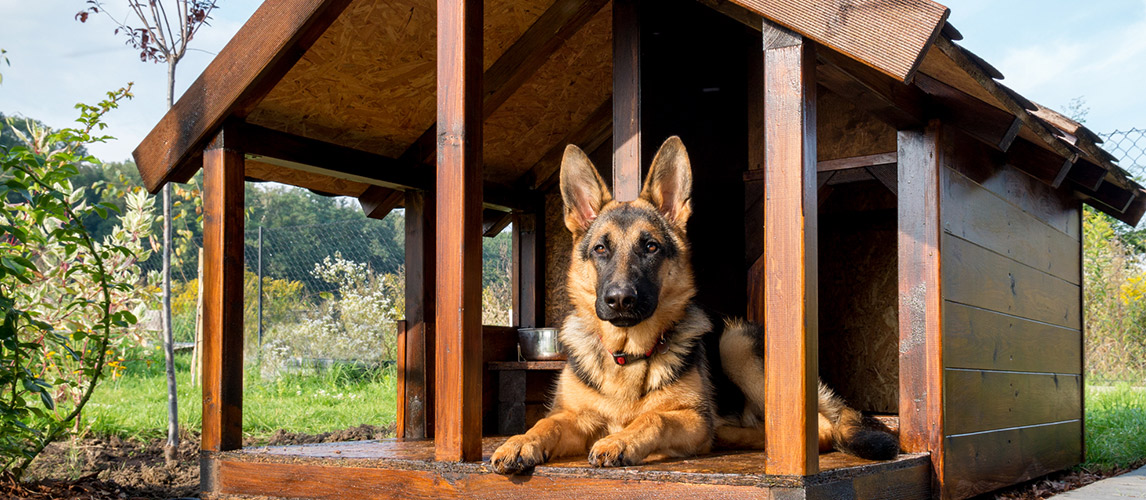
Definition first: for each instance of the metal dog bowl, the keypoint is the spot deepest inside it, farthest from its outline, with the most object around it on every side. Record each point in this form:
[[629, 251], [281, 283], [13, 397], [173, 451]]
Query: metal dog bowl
[[538, 344]]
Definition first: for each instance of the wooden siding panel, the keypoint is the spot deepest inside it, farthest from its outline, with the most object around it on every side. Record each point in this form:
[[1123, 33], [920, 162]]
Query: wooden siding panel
[[979, 400], [981, 462], [989, 340], [973, 213], [976, 276]]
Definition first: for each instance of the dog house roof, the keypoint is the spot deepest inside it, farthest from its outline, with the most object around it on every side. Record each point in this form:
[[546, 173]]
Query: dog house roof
[[348, 86]]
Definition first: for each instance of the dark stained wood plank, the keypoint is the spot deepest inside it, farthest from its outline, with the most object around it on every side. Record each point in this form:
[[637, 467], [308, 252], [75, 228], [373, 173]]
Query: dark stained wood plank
[[421, 280], [857, 162], [402, 367], [978, 400], [920, 330], [377, 203], [886, 175], [978, 463], [458, 398], [223, 202], [891, 37], [499, 343], [256, 58], [989, 124], [256, 171], [978, 277], [790, 269], [520, 61], [529, 264], [975, 214], [1039, 162], [494, 221], [989, 340], [902, 106], [626, 99]]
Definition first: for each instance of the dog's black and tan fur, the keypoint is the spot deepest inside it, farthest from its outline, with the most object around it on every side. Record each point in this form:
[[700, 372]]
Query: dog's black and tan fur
[[637, 384]]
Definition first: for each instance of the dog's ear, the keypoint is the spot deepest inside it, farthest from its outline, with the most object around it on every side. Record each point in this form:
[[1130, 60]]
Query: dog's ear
[[669, 183], [582, 189]]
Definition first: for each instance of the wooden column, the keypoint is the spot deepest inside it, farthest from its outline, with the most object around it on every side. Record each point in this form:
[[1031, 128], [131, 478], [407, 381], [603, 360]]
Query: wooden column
[[626, 99], [418, 362], [222, 297], [528, 271], [457, 433], [920, 302], [790, 268]]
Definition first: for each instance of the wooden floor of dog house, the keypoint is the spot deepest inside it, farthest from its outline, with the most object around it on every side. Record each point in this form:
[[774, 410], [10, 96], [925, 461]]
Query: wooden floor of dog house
[[405, 469]]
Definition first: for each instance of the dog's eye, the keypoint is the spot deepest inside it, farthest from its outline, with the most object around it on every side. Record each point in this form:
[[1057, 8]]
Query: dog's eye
[[599, 249], [652, 247]]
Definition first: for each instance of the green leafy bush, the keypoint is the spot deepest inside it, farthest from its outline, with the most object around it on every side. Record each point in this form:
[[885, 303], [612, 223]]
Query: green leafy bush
[[66, 300]]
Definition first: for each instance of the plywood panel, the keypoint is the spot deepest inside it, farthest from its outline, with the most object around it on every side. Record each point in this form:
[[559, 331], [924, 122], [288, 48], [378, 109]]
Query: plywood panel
[[555, 100], [976, 276], [979, 400], [979, 338], [368, 82], [982, 462], [843, 131], [977, 215]]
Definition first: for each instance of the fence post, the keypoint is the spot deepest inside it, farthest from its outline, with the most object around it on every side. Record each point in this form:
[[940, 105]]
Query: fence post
[[260, 300]]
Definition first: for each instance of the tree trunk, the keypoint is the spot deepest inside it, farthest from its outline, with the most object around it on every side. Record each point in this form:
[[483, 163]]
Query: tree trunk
[[171, 448]]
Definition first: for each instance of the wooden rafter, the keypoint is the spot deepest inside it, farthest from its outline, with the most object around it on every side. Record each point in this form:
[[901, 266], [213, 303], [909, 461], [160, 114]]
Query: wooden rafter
[[243, 73], [627, 99]]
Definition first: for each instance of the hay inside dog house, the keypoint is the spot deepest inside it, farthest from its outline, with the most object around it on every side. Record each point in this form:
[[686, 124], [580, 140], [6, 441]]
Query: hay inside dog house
[[902, 223]]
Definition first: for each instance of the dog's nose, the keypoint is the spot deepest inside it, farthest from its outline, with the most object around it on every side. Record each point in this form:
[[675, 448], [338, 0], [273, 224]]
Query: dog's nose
[[621, 298]]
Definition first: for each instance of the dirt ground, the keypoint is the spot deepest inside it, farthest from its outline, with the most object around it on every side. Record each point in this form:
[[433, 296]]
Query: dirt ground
[[98, 468], [105, 468]]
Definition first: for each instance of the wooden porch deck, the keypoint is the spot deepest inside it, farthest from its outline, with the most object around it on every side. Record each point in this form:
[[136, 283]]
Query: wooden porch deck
[[405, 469]]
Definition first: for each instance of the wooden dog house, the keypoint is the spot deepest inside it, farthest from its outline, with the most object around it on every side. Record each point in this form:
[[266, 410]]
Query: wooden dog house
[[909, 227]]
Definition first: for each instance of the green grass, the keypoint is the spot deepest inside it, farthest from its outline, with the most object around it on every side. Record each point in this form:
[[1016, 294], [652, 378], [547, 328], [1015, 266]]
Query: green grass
[[1115, 426], [135, 404]]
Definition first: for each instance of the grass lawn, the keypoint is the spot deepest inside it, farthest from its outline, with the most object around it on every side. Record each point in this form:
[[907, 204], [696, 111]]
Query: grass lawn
[[1115, 426], [135, 404]]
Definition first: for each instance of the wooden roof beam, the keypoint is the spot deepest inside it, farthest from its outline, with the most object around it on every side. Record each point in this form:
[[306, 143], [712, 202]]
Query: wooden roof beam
[[902, 106], [991, 125], [243, 73]]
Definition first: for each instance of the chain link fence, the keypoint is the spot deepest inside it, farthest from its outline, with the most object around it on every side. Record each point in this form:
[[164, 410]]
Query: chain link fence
[[1130, 148]]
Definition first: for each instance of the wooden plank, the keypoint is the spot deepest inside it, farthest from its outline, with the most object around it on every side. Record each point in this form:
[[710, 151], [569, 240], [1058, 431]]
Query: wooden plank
[[975, 214], [256, 58], [402, 367], [1038, 162], [901, 106], [520, 61], [980, 400], [1056, 208], [995, 127], [989, 340], [499, 343], [494, 221], [857, 162], [256, 171], [790, 291], [891, 37], [376, 204], [626, 99], [529, 262], [981, 462], [920, 319], [457, 433], [978, 277], [526, 365], [223, 199], [421, 280]]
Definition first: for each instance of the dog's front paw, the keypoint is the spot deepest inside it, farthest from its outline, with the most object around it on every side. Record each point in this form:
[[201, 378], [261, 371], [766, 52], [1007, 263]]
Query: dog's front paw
[[518, 454], [612, 452]]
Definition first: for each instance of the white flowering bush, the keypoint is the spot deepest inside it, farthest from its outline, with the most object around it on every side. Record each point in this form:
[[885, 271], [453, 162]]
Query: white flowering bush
[[357, 322]]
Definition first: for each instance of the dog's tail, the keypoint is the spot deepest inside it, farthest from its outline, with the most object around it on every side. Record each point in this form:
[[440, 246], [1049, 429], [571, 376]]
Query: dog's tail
[[849, 432]]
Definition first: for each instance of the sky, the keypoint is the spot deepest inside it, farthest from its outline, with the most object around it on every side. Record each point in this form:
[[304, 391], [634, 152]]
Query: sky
[[1049, 51]]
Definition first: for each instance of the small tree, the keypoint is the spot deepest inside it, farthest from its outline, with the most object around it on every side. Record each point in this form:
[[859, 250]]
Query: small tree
[[159, 40]]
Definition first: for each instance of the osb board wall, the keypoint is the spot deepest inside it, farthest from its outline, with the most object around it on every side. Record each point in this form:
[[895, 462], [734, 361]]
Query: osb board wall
[[859, 325], [553, 102], [558, 245], [842, 131], [369, 80]]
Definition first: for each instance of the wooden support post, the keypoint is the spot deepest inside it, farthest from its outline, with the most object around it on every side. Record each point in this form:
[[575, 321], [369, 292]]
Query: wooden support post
[[420, 284], [400, 422], [920, 351], [529, 271], [790, 246], [222, 297], [457, 434], [626, 99]]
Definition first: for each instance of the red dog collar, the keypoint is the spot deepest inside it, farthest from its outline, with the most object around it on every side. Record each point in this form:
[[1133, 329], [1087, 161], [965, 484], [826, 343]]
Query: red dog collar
[[622, 358]]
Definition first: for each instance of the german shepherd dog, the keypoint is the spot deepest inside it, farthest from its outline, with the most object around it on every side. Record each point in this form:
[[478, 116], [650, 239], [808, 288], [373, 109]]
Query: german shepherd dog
[[637, 384]]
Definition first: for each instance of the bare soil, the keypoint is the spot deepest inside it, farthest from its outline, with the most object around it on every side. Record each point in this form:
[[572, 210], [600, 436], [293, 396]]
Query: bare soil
[[105, 468]]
